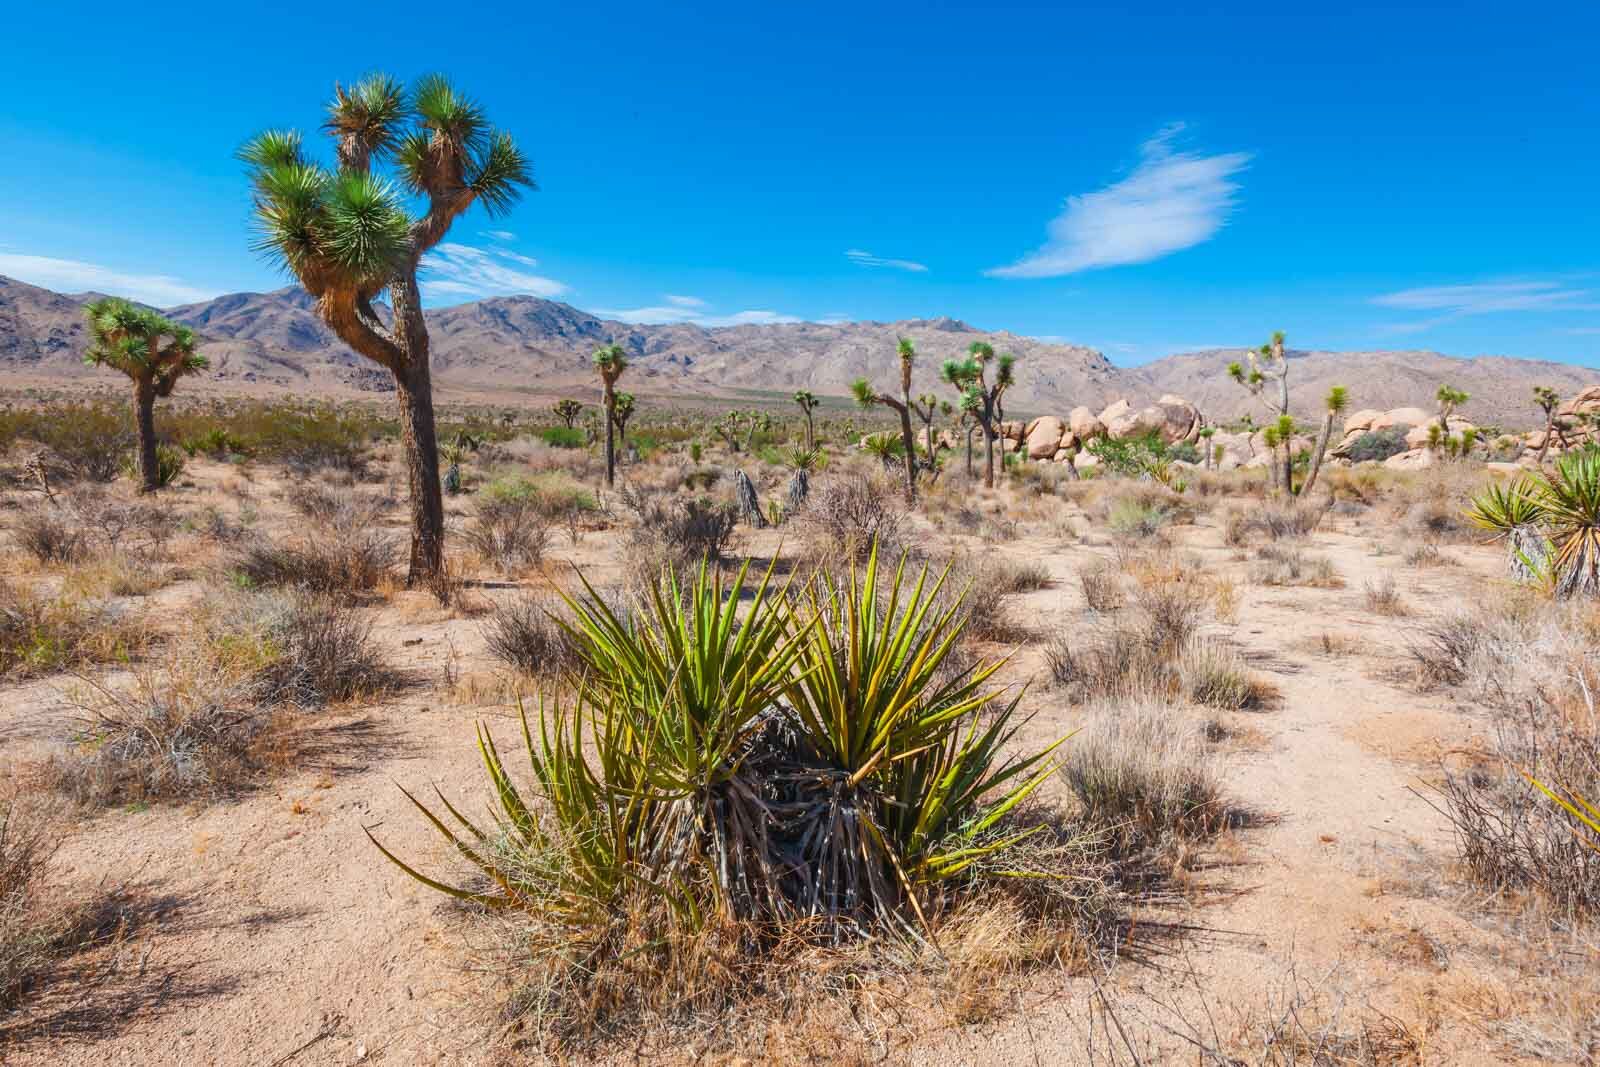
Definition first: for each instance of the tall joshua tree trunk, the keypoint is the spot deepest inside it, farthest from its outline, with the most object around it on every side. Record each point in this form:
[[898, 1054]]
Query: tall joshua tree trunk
[[144, 399], [970, 428], [418, 437], [1317, 454], [910, 441], [611, 435]]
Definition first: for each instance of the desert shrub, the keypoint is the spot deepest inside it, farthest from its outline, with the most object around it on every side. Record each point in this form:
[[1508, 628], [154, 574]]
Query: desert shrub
[[1275, 520], [1129, 517], [1378, 445], [190, 734], [1102, 586], [1275, 565], [1446, 650], [510, 532], [847, 514], [1383, 598], [523, 633], [1141, 771], [1130, 457], [49, 535], [299, 649], [354, 563], [44, 635], [715, 774], [88, 441], [1212, 674], [563, 437], [1134, 654], [1439, 519], [977, 587], [1427, 554], [1009, 576], [27, 846]]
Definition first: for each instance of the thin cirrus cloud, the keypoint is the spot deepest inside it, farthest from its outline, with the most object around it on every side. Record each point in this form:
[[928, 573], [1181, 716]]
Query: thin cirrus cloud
[[1171, 201], [862, 258], [694, 311], [466, 271], [1453, 302], [75, 276]]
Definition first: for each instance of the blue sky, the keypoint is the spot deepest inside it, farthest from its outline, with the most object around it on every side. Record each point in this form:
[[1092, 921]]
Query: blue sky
[[1391, 176]]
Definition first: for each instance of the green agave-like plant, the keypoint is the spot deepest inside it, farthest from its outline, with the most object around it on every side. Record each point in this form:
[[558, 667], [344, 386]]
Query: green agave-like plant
[[1569, 499], [768, 754]]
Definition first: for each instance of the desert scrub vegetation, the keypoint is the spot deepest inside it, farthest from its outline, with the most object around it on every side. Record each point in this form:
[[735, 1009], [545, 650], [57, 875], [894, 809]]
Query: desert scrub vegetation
[[295, 648], [508, 532], [1550, 523], [1530, 666], [847, 515], [345, 551], [1272, 520], [28, 926], [524, 633], [1141, 770], [745, 772], [1280, 565], [41, 635]]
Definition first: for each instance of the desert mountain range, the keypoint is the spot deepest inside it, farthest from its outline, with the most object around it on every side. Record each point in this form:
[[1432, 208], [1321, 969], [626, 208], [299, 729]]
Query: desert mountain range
[[526, 344]]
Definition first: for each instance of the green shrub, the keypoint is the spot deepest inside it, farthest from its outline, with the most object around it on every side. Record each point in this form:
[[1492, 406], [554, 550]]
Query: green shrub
[[563, 437], [1378, 445]]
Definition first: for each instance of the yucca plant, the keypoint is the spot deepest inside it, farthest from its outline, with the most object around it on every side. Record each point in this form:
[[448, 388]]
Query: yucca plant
[[1569, 500], [766, 754], [1511, 512]]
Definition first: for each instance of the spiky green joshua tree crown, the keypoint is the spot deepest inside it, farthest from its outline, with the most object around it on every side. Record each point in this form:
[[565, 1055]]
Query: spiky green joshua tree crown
[[347, 234], [153, 351]]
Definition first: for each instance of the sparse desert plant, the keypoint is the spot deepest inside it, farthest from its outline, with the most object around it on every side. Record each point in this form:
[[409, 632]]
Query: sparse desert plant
[[902, 405], [346, 236], [28, 845], [1212, 674], [1141, 770], [192, 734], [299, 649], [1134, 518], [1276, 565], [510, 533], [41, 635], [1378, 445], [849, 513], [723, 752], [154, 353], [1383, 598], [347, 563], [49, 535], [1102, 586], [523, 632]]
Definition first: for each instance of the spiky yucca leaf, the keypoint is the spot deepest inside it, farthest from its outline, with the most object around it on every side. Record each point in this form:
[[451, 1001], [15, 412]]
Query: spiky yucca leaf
[[1501, 508], [1569, 498]]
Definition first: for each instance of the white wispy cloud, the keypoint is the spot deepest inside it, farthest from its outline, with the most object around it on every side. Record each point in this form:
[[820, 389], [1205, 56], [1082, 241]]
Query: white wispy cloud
[[1171, 201], [691, 309], [464, 270], [498, 235], [1484, 298], [75, 276], [867, 259]]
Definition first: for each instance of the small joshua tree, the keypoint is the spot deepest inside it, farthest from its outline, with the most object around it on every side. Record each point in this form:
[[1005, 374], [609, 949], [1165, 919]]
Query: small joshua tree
[[1206, 433], [1338, 399], [1546, 398], [808, 404], [1449, 399], [568, 412], [901, 405], [347, 236], [1268, 364], [925, 407], [610, 361], [154, 353], [455, 453], [981, 397], [755, 422], [621, 412]]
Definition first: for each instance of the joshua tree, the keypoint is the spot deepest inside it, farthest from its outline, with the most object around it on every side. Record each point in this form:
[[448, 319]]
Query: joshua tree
[[1449, 399], [755, 422], [808, 404], [801, 462], [153, 352], [621, 412], [1338, 400], [347, 235], [1206, 433], [969, 405], [980, 397], [610, 361], [1268, 364], [1547, 399], [727, 428], [925, 407], [568, 411], [901, 406], [454, 453]]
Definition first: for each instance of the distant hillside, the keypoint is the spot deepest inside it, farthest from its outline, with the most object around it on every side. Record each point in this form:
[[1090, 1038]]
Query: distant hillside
[[543, 346]]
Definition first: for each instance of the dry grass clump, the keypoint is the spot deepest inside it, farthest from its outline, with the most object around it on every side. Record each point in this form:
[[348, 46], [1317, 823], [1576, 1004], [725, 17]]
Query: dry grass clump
[[509, 532], [1102, 586], [190, 733], [1440, 519], [49, 536], [679, 534], [1141, 770], [1383, 598], [114, 575], [1274, 520], [1538, 677], [27, 928], [847, 514], [1427, 554], [42, 635], [298, 649], [1213, 674], [1286, 566], [523, 633], [347, 551]]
